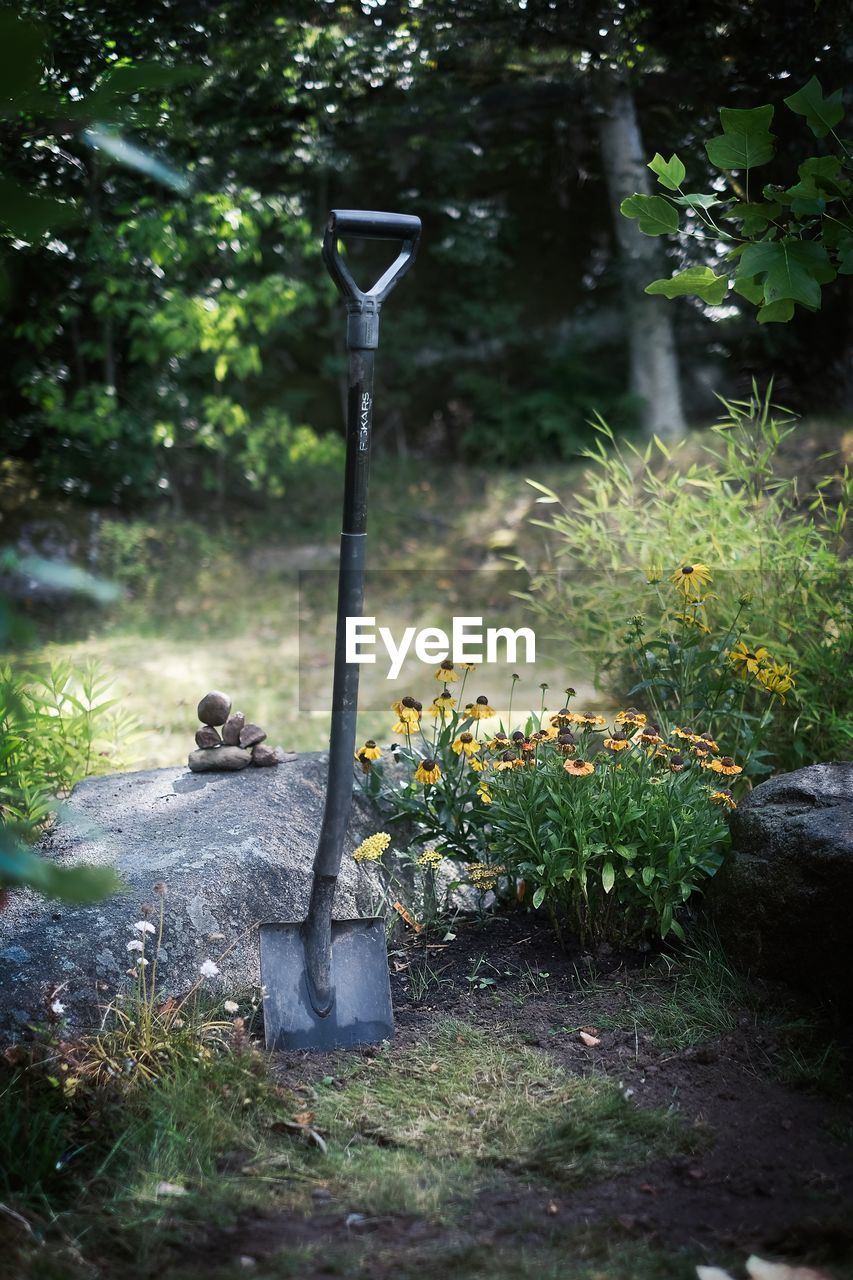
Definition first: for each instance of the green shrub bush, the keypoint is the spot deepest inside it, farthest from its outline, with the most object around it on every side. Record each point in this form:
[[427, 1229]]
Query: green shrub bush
[[777, 557]]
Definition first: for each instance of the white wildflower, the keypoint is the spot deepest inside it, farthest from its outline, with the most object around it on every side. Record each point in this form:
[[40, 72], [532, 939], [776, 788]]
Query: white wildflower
[[144, 926], [135, 945], [208, 969], [57, 1007], [231, 1006]]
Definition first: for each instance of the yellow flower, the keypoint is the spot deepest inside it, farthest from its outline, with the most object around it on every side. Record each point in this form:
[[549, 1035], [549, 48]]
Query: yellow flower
[[466, 742], [705, 740], [617, 743], [441, 704], [484, 793], [427, 772], [446, 672], [693, 620], [499, 742], [778, 678], [408, 710], [477, 765], [480, 710], [406, 726], [631, 716], [649, 736], [676, 764], [725, 798], [579, 768], [587, 720], [369, 751], [685, 735], [747, 661], [430, 858], [690, 578], [725, 764], [563, 719], [654, 574], [482, 876], [467, 666], [372, 849]]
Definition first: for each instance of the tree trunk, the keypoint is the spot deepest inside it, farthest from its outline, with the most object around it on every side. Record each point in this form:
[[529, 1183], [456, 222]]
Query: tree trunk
[[651, 341]]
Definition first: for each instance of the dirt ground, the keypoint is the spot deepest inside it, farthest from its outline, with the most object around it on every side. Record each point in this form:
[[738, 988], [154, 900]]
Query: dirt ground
[[773, 1174]]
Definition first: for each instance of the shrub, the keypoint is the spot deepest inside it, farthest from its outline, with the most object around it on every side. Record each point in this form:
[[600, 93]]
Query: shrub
[[737, 512], [613, 837]]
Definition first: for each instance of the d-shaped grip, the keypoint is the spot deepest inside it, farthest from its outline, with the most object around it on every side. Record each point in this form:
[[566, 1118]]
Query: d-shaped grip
[[367, 224], [370, 225]]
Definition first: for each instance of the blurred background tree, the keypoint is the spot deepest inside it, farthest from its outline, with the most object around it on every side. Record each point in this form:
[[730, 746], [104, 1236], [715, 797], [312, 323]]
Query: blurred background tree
[[175, 339]]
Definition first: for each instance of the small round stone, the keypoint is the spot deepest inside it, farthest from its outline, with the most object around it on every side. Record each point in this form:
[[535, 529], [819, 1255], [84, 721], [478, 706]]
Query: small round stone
[[207, 736], [263, 757], [231, 728], [251, 734], [214, 707]]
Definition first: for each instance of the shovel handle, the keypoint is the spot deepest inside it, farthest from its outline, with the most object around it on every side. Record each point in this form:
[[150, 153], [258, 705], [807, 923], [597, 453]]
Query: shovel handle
[[369, 224]]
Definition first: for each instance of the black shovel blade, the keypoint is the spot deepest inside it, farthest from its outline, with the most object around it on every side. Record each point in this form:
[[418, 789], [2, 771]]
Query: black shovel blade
[[361, 1010]]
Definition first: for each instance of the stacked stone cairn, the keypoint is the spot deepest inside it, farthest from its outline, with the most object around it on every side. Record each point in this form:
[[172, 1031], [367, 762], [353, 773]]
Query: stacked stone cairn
[[226, 741]]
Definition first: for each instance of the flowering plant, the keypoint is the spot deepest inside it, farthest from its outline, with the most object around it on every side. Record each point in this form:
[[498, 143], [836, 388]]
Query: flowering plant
[[612, 827]]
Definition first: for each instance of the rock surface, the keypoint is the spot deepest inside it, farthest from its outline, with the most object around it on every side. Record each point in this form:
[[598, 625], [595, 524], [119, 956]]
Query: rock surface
[[782, 902], [232, 849], [220, 759]]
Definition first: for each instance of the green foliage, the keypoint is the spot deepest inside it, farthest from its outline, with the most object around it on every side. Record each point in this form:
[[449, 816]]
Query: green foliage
[[614, 852], [447, 812], [643, 513], [791, 242], [55, 729]]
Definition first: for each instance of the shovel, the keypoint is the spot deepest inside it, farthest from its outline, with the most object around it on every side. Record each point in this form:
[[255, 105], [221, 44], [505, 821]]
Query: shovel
[[325, 983]]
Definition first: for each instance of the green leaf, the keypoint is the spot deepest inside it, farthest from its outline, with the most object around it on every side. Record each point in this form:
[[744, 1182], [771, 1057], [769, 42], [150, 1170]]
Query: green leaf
[[754, 217], [648, 875], [746, 140], [792, 269], [21, 55], [539, 897], [29, 217], [845, 257], [670, 172], [782, 310], [608, 877], [822, 114], [693, 200], [700, 281], [656, 215], [749, 287], [19, 866]]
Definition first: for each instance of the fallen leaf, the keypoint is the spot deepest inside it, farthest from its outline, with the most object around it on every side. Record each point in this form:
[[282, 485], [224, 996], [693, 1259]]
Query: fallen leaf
[[303, 1117], [588, 1040]]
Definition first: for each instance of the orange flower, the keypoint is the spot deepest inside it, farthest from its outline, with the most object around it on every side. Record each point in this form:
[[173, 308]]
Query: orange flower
[[579, 768]]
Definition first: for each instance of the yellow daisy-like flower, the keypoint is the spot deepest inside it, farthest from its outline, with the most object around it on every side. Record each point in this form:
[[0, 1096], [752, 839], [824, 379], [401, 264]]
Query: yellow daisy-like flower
[[631, 716], [690, 578], [484, 794], [477, 765], [508, 760], [676, 764], [369, 751], [467, 666], [685, 735], [587, 720], [430, 858], [466, 742], [441, 704], [725, 764], [700, 751], [408, 709], [693, 620], [705, 740], [480, 710], [579, 768], [427, 772], [372, 849], [406, 726], [746, 661], [446, 672], [725, 798], [777, 679], [499, 742], [654, 574], [563, 719], [617, 743], [650, 737]]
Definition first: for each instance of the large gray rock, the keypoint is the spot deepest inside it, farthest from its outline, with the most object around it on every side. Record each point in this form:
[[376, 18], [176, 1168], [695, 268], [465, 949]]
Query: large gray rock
[[782, 902], [233, 849]]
